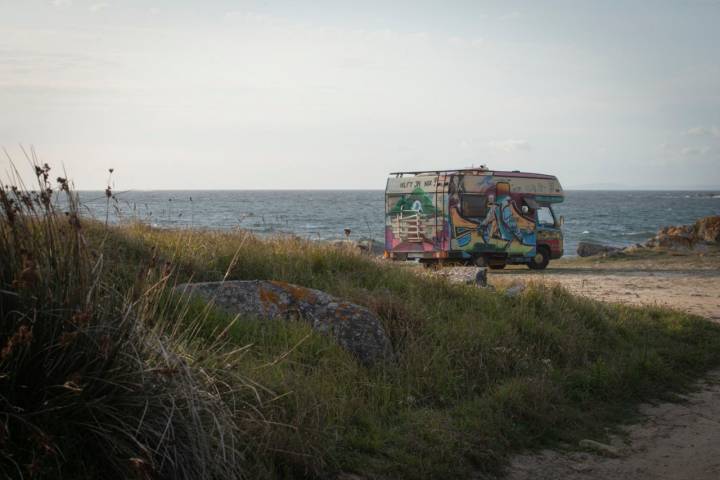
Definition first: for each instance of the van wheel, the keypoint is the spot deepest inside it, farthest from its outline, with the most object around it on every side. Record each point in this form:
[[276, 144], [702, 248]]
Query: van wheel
[[497, 266], [540, 260]]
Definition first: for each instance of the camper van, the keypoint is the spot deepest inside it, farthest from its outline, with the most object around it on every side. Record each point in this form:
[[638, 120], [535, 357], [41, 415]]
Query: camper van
[[489, 218]]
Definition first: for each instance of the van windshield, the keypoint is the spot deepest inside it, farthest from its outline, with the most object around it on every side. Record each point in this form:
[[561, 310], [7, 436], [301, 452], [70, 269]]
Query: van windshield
[[546, 217]]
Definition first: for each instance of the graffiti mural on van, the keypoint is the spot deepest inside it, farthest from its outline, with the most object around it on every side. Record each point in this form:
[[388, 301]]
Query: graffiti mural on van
[[490, 218]]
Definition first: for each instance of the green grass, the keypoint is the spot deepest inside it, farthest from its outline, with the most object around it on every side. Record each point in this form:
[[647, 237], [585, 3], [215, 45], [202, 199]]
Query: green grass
[[477, 375]]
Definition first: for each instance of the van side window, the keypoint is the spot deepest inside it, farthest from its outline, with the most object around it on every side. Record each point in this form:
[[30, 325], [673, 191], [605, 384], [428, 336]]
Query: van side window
[[473, 205]]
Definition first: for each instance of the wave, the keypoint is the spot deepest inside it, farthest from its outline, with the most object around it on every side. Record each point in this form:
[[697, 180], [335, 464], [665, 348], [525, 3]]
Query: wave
[[645, 234]]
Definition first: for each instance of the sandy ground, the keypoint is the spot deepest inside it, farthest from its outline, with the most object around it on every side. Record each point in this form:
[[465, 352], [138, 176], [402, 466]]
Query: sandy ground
[[679, 441], [689, 283], [692, 290], [675, 440]]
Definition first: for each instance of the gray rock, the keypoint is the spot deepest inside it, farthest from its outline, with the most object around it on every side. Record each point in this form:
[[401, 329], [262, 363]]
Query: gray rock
[[367, 246], [481, 277], [515, 289], [352, 326], [349, 476], [601, 448], [371, 246], [349, 244], [588, 249]]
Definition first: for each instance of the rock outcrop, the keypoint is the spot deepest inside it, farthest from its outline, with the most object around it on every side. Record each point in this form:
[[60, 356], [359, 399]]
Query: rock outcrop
[[588, 249], [673, 237], [705, 231], [352, 326], [708, 229]]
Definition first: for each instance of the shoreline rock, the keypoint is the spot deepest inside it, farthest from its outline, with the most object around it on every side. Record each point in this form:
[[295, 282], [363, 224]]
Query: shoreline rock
[[708, 229], [695, 238], [590, 249], [704, 232]]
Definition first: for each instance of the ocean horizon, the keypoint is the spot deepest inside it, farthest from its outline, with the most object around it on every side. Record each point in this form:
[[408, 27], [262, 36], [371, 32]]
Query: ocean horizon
[[614, 217]]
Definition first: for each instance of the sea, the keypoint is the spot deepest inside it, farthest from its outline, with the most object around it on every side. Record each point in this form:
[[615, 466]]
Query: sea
[[620, 218]]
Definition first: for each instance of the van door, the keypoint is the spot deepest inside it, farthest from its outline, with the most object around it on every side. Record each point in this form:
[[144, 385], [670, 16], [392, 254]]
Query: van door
[[549, 233]]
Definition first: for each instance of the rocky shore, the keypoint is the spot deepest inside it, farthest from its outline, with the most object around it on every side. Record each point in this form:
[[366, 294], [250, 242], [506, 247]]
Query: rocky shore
[[696, 238]]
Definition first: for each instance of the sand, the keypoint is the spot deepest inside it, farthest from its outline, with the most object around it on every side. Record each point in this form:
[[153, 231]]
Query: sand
[[690, 285]]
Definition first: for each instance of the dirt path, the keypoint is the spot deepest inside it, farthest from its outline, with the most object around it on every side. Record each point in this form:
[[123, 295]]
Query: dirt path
[[678, 441]]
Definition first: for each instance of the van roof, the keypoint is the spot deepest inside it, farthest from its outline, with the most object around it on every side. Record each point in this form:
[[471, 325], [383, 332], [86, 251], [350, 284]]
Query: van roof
[[477, 171]]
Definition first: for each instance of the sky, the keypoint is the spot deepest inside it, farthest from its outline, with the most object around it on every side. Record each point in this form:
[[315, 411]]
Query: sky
[[178, 94]]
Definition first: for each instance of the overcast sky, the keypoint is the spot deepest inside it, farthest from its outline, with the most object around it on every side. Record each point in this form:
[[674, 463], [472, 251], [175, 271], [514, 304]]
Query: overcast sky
[[336, 94]]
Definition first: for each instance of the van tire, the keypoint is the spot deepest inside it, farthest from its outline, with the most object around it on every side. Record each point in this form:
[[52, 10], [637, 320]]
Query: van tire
[[541, 259]]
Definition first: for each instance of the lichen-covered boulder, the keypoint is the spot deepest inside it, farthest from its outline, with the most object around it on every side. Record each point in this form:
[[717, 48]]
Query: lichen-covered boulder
[[352, 326]]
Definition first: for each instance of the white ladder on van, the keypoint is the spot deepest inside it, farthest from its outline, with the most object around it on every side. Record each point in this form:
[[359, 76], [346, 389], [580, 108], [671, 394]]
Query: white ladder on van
[[410, 226]]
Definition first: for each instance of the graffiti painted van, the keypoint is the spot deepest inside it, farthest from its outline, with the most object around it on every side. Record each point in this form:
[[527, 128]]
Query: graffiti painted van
[[487, 217]]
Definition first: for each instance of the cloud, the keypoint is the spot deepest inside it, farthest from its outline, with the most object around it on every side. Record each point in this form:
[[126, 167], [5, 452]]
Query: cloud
[[687, 151], [457, 41], [62, 3], [510, 15], [694, 151], [244, 18], [96, 7], [509, 145], [712, 130]]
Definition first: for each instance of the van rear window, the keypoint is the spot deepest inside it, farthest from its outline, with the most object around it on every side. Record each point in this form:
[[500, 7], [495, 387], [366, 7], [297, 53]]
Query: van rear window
[[474, 205]]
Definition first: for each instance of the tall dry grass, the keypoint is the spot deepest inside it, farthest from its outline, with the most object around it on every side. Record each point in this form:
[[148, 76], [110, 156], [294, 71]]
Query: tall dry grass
[[95, 379]]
